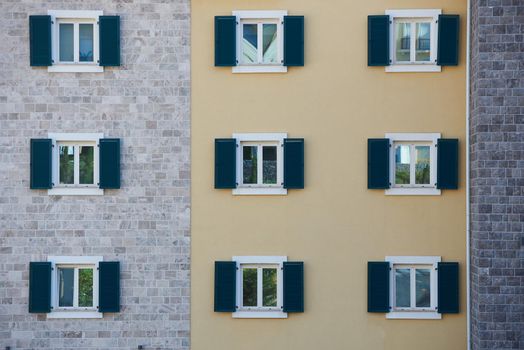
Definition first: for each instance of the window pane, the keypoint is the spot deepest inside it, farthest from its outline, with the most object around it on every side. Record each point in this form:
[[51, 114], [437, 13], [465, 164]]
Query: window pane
[[249, 287], [87, 161], [67, 164], [85, 287], [249, 164], [269, 44], [66, 284], [423, 293], [85, 33], [269, 282], [423, 42], [403, 44], [66, 38], [422, 165], [402, 161], [402, 288], [269, 164], [249, 43]]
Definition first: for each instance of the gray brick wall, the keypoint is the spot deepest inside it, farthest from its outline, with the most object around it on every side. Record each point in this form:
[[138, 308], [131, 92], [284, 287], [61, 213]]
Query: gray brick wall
[[144, 225], [497, 174]]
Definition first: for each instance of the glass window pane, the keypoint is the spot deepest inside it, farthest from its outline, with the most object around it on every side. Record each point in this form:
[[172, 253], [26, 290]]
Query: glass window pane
[[87, 161], [85, 287], [249, 43], [402, 287], [422, 166], [249, 163], [85, 34], [269, 164], [249, 287], [66, 38], [423, 290], [402, 162], [269, 43], [423, 42], [403, 43], [269, 283], [67, 164], [66, 285]]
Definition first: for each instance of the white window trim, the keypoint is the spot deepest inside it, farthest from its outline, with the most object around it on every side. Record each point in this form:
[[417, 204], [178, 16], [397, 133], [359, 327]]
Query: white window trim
[[73, 260], [431, 66], [413, 191], [270, 260], [88, 190], [254, 189], [415, 260], [260, 15], [76, 16]]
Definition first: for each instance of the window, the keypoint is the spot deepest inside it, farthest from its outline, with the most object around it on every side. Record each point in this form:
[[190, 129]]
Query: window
[[413, 284], [413, 40], [259, 287], [413, 163]]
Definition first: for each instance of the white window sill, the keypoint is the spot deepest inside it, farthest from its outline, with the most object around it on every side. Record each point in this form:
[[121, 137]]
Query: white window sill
[[74, 314], [259, 69], [261, 191], [75, 68], [412, 191], [74, 191], [405, 68], [259, 314], [413, 315]]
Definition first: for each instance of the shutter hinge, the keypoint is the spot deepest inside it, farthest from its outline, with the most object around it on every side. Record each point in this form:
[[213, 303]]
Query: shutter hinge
[[390, 22], [52, 183], [52, 61], [98, 184], [236, 306], [237, 23], [52, 22], [97, 307], [97, 61], [97, 22], [236, 61], [282, 61], [98, 268]]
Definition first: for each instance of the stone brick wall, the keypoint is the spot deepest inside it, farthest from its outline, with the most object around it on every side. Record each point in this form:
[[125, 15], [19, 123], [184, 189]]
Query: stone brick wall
[[145, 224], [497, 174]]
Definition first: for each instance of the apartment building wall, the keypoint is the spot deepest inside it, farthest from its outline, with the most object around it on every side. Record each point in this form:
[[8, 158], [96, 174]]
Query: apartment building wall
[[335, 225], [145, 224]]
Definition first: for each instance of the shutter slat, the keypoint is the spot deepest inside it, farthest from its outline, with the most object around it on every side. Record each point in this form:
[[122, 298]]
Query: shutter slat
[[294, 163], [448, 287], [109, 163], [40, 41], [225, 286], [225, 163], [293, 286], [109, 286], [378, 163], [39, 287], [109, 40], [447, 164], [293, 41], [448, 40], [41, 164], [378, 40], [378, 286], [225, 41]]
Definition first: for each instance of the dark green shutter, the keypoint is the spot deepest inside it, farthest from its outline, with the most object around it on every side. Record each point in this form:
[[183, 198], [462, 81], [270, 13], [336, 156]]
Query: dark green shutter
[[225, 286], [447, 164], [293, 40], [378, 40], [109, 286], [225, 41], [448, 40], [293, 287], [109, 163], [378, 286], [225, 163], [39, 287], [109, 39], [294, 163], [448, 287], [378, 163], [40, 41], [40, 166]]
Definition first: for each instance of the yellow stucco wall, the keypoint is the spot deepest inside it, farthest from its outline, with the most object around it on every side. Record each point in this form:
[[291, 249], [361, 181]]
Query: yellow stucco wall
[[335, 225]]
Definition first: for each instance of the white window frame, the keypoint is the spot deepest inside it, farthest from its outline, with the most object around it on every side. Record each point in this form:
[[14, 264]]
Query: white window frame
[[276, 17], [78, 262], [430, 313], [91, 139], [260, 139], [262, 312], [414, 16], [413, 190], [76, 18]]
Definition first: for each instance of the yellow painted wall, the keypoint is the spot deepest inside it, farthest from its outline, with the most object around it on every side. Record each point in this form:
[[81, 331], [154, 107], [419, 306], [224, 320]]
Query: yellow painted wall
[[335, 225]]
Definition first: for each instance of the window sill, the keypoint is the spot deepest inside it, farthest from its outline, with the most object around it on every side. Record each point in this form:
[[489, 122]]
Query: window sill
[[254, 191], [75, 68], [74, 314], [259, 314], [259, 69], [405, 68], [413, 315], [412, 191], [73, 191]]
